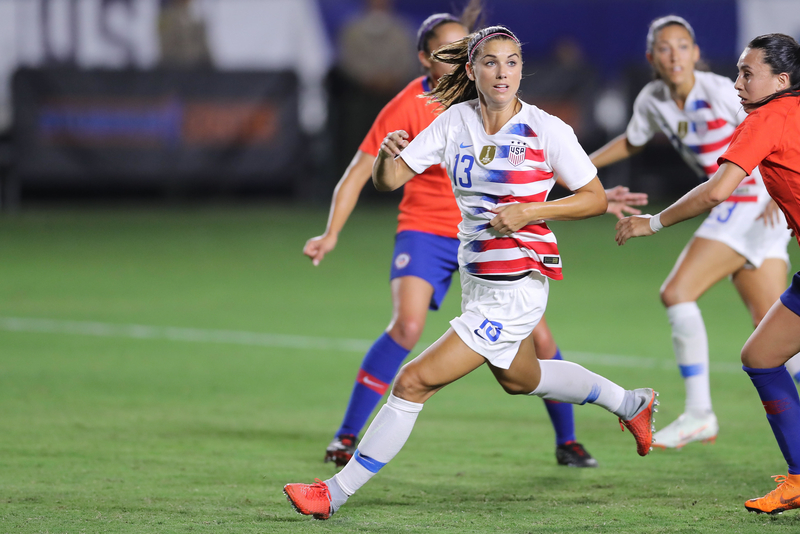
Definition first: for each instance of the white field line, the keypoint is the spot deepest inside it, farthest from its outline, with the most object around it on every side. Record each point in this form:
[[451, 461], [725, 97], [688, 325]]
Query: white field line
[[238, 337]]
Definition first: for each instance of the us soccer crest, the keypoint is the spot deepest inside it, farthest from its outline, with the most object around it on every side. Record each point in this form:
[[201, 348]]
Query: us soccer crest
[[683, 129], [516, 153], [487, 154]]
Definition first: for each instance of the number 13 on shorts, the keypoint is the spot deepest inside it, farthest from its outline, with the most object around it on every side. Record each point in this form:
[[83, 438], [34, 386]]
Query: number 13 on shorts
[[489, 330]]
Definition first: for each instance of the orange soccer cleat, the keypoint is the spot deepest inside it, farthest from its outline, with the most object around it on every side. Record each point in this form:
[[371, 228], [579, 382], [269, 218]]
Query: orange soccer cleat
[[641, 424], [785, 497], [310, 499]]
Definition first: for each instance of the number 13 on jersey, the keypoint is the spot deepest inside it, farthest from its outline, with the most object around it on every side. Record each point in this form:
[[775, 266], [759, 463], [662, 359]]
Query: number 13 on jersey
[[465, 180]]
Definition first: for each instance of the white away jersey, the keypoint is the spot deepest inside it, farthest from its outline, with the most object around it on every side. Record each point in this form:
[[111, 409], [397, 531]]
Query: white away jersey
[[517, 164], [701, 132]]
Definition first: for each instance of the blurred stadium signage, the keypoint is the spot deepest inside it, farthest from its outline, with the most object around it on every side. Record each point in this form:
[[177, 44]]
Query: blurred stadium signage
[[156, 126]]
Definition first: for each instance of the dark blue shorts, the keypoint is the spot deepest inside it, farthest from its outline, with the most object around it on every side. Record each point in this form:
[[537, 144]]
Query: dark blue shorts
[[431, 257], [791, 297]]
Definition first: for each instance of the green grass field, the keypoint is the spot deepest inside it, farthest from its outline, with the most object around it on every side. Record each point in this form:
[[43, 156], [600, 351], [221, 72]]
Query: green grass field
[[243, 358]]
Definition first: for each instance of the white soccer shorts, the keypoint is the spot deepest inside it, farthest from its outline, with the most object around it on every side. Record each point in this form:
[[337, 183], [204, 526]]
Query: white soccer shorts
[[737, 225], [496, 315]]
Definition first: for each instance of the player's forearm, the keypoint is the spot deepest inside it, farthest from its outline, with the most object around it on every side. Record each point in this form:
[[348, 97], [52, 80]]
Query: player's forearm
[[705, 196], [347, 191], [614, 151], [588, 201], [385, 173]]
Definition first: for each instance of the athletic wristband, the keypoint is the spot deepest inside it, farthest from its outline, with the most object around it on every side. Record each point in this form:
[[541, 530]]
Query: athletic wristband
[[655, 223]]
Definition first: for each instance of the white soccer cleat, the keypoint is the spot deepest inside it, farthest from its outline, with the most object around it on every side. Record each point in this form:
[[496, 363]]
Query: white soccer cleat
[[686, 429]]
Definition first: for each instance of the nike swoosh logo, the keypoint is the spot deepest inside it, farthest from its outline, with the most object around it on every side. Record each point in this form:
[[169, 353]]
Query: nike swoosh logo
[[477, 333], [462, 145], [369, 382], [787, 501], [683, 436]]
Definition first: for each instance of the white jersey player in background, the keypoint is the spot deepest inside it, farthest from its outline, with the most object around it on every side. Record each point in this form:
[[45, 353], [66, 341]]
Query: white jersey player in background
[[501, 156], [744, 238]]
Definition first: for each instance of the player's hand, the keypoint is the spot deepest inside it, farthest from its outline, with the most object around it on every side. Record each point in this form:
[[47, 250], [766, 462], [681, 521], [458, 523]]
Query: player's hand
[[620, 209], [511, 218], [771, 214], [620, 200], [317, 247], [636, 226], [394, 143]]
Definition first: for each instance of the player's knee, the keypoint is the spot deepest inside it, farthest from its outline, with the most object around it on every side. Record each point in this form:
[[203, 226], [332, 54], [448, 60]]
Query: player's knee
[[406, 331], [513, 387], [671, 294], [749, 356], [409, 384]]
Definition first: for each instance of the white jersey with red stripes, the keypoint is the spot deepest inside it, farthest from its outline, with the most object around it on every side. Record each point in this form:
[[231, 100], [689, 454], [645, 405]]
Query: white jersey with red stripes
[[701, 131], [517, 164]]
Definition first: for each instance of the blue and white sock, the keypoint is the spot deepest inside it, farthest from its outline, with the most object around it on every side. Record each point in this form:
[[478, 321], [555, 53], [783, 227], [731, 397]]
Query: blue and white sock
[[690, 343], [378, 369], [385, 437], [782, 404], [569, 382], [561, 415]]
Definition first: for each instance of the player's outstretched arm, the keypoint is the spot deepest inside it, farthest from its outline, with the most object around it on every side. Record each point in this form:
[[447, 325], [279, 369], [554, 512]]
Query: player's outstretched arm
[[588, 201], [344, 200], [615, 150], [390, 172], [699, 200], [621, 201]]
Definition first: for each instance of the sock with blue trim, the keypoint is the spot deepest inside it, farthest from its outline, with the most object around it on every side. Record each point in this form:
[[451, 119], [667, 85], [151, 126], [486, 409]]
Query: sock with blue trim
[[385, 437], [690, 343], [569, 382], [378, 369], [561, 415], [782, 404]]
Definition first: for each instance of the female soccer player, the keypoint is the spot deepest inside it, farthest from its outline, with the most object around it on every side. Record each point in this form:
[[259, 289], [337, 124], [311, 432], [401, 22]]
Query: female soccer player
[[426, 246], [743, 237], [501, 155], [769, 90]]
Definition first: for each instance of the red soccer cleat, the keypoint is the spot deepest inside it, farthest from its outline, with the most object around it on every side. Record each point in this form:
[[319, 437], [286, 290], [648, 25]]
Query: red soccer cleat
[[310, 499], [641, 424]]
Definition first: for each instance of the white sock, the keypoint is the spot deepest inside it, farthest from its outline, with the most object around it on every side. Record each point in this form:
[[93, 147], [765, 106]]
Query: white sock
[[384, 438], [793, 366], [690, 343], [565, 381]]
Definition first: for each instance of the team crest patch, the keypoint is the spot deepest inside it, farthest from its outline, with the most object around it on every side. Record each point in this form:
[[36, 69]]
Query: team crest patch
[[402, 260], [487, 154], [516, 153], [683, 129]]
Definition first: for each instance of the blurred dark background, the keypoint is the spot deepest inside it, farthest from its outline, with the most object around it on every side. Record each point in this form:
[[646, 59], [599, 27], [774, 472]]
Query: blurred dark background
[[173, 100]]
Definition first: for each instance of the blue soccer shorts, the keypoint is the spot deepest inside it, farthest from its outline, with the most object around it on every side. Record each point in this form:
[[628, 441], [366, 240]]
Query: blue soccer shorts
[[431, 257], [791, 297]]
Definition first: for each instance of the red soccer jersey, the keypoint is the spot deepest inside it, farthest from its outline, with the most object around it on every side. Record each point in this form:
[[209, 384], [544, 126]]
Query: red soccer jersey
[[770, 138], [428, 203]]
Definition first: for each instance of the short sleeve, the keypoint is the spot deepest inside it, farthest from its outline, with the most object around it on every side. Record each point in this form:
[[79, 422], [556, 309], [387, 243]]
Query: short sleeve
[[566, 156], [754, 139], [641, 127], [428, 147], [394, 116]]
